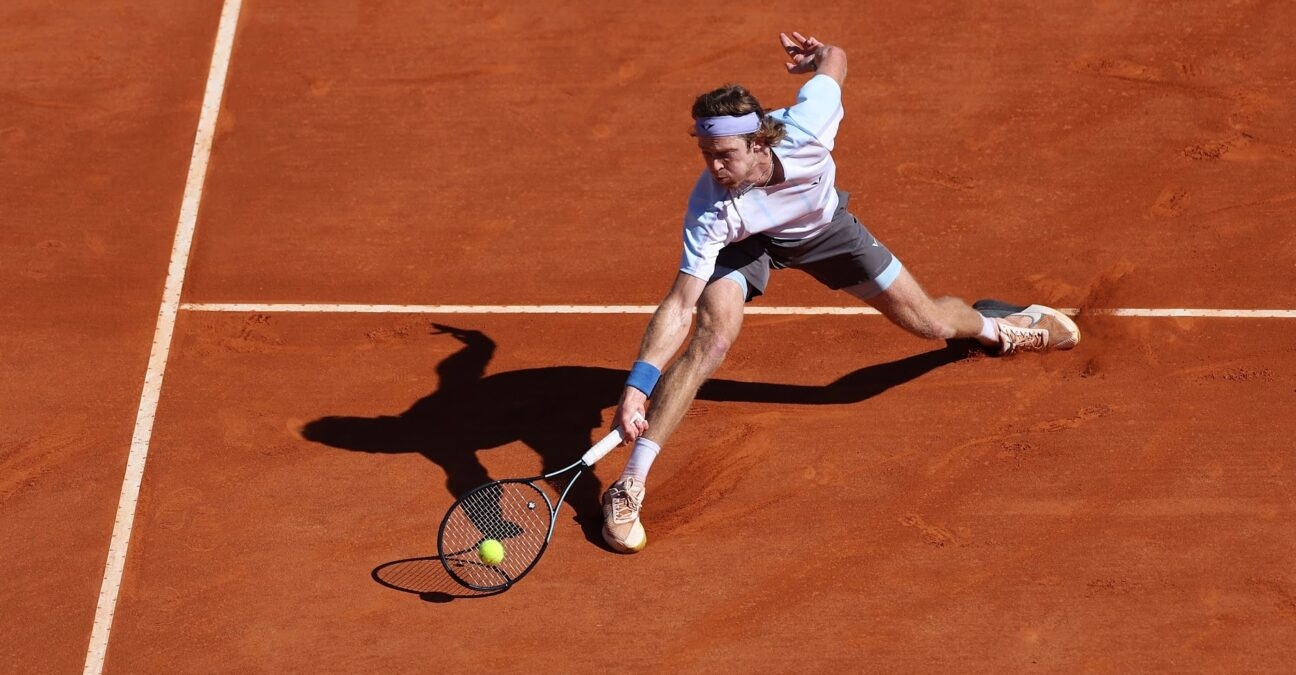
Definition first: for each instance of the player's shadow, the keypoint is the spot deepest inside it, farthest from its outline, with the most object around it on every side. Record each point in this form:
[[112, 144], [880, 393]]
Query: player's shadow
[[556, 411]]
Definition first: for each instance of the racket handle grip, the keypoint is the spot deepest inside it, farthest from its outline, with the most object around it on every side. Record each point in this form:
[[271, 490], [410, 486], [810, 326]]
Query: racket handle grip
[[603, 447]]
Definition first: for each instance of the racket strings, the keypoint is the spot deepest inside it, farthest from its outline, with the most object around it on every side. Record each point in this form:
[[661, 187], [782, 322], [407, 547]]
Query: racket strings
[[514, 513]]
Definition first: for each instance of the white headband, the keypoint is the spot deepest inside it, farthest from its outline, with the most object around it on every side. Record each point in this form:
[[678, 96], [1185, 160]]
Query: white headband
[[727, 125]]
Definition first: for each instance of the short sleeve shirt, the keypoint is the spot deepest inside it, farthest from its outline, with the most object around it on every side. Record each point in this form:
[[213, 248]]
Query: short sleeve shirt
[[800, 207]]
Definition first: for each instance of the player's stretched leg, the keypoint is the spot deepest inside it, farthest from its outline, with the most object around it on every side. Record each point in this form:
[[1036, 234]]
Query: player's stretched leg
[[995, 324], [907, 305], [719, 318]]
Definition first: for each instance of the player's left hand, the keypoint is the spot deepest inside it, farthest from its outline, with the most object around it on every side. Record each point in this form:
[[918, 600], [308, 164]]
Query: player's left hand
[[804, 52]]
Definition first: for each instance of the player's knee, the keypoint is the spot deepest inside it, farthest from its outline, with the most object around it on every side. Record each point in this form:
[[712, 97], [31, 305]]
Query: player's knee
[[709, 349], [715, 349]]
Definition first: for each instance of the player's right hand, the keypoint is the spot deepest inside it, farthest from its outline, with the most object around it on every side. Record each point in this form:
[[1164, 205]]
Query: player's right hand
[[629, 415]]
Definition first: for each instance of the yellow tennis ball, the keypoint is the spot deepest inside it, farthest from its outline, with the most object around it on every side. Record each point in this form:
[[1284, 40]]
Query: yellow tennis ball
[[491, 552]]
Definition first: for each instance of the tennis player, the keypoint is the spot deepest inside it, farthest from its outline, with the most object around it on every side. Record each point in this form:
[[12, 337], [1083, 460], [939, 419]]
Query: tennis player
[[768, 198]]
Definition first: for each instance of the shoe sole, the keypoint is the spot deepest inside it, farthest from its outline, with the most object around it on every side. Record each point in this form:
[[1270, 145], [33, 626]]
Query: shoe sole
[[622, 548], [996, 309]]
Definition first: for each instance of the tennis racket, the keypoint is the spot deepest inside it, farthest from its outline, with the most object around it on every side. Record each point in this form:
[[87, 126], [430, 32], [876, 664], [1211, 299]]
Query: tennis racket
[[515, 512]]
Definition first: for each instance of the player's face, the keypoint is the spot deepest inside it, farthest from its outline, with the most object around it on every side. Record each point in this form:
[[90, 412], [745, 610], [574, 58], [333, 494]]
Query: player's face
[[729, 159]]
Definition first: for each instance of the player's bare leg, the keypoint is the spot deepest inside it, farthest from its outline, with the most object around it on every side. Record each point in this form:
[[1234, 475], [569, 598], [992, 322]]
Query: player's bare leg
[[907, 305], [718, 321], [994, 324]]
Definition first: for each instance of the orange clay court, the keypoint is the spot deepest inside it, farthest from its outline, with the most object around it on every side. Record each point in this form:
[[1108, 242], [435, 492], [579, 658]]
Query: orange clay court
[[223, 223]]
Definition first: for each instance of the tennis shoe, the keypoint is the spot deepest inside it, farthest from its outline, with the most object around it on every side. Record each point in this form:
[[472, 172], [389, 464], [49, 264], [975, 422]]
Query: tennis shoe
[[1035, 328], [621, 527]]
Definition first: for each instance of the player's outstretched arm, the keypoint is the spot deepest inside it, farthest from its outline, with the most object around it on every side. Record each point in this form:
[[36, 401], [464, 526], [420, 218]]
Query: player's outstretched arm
[[665, 333], [808, 54]]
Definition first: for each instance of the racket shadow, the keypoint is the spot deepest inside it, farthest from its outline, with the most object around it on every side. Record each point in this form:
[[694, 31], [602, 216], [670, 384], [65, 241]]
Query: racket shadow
[[425, 577], [556, 411]]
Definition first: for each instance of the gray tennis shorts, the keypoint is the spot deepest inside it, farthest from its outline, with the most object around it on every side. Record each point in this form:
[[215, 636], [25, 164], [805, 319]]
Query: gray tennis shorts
[[842, 256]]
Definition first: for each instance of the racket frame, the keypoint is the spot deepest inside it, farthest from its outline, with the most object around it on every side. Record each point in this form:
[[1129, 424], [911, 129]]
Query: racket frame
[[591, 456]]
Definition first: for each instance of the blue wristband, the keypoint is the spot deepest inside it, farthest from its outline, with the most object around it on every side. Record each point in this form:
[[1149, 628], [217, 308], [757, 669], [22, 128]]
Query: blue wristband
[[643, 376]]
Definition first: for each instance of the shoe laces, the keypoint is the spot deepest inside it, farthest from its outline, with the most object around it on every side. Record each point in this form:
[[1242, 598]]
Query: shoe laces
[[1020, 337], [625, 506]]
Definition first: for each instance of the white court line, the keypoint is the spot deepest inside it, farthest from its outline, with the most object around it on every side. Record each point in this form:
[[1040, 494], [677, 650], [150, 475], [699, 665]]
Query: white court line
[[325, 308], [126, 505]]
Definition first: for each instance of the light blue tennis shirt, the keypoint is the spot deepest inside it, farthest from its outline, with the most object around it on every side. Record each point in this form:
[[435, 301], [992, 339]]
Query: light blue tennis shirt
[[800, 207]]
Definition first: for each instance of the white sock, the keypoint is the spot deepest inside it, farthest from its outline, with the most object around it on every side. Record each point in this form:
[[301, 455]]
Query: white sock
[[989, 335], [641, 459]]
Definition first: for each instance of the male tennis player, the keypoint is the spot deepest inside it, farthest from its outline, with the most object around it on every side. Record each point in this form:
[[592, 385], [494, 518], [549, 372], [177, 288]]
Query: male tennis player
[[768, 199]]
